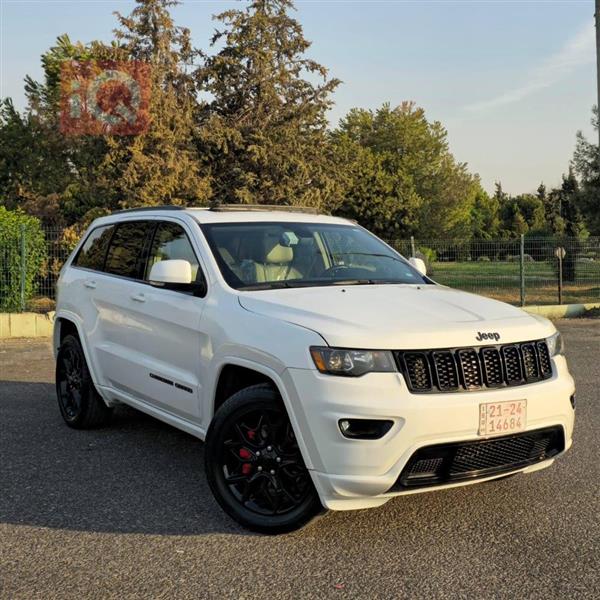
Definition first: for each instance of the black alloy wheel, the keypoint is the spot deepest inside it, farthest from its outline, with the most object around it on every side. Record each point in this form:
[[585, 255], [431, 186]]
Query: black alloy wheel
[[80, 404], [254, 465]]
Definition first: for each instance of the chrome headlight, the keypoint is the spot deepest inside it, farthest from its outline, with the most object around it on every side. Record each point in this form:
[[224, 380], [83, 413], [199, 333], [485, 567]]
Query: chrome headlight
[[555, 344], [351, 363]]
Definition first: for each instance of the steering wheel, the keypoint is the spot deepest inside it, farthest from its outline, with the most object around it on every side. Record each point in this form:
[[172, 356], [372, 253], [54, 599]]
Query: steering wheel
[[333, 271]]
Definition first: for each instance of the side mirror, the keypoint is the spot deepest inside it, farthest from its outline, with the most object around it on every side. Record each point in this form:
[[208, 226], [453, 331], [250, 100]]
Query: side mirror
[[418, 264], [171, 272]]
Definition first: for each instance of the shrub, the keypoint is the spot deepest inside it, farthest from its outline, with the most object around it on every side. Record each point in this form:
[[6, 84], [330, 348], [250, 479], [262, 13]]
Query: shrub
[[483, 258], [13, 225]]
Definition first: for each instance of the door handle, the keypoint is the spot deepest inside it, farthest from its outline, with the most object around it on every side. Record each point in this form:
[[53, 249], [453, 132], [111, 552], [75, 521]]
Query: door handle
[[90, 284], [138, 297]]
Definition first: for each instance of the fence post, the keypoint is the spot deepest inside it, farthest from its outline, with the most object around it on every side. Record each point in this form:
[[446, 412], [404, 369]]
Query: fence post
[[522, 269], [413, 249], [560, 276], [23, 266]]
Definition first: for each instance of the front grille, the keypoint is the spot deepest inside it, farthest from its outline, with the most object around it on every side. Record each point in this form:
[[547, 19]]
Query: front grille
[[512, 365], [459, 369], [470, 368], [418, 365], [446, 463], [544, 357], [445, 372]]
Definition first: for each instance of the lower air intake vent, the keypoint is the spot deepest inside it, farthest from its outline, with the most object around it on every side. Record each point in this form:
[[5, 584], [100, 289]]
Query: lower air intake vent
[[446, 463]]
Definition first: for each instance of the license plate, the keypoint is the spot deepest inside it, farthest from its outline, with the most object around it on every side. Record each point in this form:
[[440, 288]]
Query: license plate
[[502, 417]]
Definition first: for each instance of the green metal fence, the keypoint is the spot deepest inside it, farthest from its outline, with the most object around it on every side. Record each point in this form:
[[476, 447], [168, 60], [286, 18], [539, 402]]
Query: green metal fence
[[519, 271], [29, 267]]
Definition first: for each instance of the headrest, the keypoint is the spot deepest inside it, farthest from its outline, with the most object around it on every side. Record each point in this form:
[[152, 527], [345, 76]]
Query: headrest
[[279, 255], [226, 255]]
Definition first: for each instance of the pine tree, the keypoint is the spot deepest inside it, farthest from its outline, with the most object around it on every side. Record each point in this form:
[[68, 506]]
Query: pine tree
[[67, 178], [569, 192], [262, 132], [541, 193], [586, 163], [159, 166], [499, 194], [574, 226]]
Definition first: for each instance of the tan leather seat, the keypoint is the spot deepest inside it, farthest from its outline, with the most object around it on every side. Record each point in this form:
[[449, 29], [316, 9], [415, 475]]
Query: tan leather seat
[[277, 265]]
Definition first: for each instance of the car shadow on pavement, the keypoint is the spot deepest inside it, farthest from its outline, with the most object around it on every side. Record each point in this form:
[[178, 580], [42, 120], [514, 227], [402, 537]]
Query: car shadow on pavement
[[137, 475]]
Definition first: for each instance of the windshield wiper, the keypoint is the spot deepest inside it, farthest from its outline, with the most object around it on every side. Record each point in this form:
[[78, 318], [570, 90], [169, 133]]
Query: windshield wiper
[[368, 254], [300, 283], [269, 285]]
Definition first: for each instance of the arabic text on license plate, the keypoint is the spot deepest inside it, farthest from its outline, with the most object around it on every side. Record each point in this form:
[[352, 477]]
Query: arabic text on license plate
[[502, 417]]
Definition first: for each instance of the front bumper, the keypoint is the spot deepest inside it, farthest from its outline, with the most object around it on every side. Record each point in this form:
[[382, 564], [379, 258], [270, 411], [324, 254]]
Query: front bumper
[[350, 474]]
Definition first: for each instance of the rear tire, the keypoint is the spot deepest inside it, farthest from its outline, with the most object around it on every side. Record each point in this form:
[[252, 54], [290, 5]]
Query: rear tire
[[254, 466], [80, 404]]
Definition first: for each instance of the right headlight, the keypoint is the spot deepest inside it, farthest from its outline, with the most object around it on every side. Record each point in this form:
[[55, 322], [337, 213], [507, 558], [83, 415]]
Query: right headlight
[[351, 363], [555, 344]]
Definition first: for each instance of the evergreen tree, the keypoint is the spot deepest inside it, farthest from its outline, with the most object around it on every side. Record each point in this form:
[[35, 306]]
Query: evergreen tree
[[518, 224], [262, 131], [499, 194], [541, 193], [67, 178], [532, 209], [570, 198], [586, 163], [159, 166], [573, 226]]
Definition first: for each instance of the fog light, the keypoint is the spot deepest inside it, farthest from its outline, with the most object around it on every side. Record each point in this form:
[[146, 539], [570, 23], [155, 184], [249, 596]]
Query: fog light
[[364, 429], [344, 425]]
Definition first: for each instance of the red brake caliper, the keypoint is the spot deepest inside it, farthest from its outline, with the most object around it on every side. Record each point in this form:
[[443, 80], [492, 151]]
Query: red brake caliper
[[245, 454]]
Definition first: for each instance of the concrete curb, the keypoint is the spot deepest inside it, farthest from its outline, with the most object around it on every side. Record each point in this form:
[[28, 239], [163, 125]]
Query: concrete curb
[[562, 311], [26, 325]]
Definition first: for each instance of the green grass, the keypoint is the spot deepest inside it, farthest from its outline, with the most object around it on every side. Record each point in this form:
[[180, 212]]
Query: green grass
[[501, 280]]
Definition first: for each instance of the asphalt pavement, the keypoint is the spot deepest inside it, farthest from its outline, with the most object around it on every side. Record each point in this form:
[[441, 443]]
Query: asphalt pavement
[[125, 512]]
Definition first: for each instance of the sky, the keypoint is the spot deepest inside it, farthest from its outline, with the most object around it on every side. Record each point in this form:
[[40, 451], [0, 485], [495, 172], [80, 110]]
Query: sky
[[512, 81]]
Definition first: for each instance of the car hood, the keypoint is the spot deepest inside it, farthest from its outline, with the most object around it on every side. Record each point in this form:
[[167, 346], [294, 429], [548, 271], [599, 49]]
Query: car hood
[[398, 316]]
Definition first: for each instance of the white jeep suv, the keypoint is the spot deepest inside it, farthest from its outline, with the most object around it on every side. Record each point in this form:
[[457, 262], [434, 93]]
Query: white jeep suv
[[322, 369]]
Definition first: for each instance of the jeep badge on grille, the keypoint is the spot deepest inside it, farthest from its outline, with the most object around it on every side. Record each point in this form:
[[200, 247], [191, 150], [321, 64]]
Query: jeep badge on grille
[[487, 336]]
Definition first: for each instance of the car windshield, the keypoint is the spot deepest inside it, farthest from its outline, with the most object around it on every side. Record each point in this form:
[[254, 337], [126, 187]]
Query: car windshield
[[254, 256]]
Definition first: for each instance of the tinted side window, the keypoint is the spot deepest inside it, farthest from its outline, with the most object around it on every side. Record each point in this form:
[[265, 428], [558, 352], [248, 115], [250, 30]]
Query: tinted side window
[[171, 242], [125, 255], [91, 254]]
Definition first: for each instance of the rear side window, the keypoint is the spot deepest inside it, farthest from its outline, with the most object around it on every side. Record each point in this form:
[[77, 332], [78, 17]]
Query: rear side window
[[171, 242], [126, 252], [91, 254]]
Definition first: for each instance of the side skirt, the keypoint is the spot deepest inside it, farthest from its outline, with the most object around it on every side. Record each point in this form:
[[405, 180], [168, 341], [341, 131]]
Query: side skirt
[[161, 415]]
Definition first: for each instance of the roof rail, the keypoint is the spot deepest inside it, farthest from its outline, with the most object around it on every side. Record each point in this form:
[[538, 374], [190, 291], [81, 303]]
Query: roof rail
[[264, 207], [149, 208]]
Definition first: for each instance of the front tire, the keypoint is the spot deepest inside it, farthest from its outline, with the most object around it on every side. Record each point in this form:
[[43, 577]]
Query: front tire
[[254, 466], [80, 404]]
